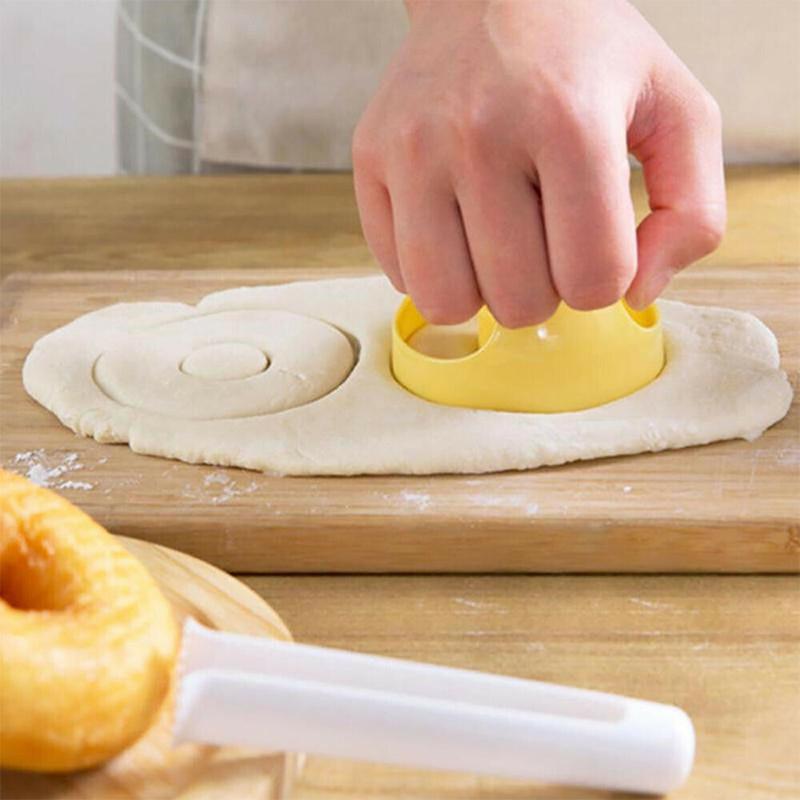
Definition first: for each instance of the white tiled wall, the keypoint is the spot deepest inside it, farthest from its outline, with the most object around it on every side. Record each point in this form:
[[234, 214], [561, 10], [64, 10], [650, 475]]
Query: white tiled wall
[[57, 87]]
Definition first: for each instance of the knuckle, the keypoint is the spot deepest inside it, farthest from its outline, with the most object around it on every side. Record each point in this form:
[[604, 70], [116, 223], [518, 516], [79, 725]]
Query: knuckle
[[708, 107], [699, 108], [412, 139], [473, 128], [477, 123], [708, 227], [573, 114], [364, 151]]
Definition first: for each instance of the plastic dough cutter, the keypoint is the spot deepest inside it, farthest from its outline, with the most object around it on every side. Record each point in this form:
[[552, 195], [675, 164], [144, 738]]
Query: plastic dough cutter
[[574, 360], [253, 692]]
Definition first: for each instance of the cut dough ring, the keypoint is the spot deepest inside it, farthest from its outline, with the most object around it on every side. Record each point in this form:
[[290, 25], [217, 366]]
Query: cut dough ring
[[226, 365]]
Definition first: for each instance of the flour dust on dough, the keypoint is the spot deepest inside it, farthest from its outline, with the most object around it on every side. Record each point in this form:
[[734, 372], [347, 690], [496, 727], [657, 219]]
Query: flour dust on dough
[[296, 379]]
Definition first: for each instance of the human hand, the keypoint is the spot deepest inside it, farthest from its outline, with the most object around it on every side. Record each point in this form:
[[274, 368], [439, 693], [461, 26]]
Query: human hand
[[491, 165]]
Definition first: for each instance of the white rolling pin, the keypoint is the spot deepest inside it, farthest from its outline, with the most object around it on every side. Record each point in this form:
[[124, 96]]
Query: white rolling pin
[[259, 693]]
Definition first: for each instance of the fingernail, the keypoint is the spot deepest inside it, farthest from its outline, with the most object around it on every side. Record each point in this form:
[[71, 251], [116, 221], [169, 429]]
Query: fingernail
[[635, 301]]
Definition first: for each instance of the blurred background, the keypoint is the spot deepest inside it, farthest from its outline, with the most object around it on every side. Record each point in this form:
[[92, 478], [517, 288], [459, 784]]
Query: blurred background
[[100, 87]]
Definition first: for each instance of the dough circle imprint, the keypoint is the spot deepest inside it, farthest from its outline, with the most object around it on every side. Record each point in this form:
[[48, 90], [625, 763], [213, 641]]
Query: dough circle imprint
[[226, 361], [266, 378], [225, 365]]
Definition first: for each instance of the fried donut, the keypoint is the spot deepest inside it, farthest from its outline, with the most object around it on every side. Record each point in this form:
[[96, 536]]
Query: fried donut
[[87, 640]]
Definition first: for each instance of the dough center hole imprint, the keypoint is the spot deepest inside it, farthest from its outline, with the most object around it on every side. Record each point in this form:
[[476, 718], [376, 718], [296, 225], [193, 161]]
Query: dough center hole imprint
[[225, 361]]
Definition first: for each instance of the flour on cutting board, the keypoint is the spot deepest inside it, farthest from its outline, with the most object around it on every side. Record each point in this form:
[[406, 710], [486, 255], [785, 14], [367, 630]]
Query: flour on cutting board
[[654, 605], [789, 456], [56, 469], [82, 485], [50, 469], [420, 500], [505, 501], [480, 606], [219, 488]]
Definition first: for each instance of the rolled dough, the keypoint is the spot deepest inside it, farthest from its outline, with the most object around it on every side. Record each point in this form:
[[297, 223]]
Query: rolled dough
[[296, 379]]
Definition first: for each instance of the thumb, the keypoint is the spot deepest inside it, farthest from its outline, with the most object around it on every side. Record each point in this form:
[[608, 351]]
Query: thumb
[[677, 137]]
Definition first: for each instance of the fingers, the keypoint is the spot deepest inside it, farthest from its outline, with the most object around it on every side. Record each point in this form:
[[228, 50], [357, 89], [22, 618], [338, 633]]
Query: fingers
[[375, 209], [588, 216], [680, 149], [433, 254], [415, 233], [506, 239]]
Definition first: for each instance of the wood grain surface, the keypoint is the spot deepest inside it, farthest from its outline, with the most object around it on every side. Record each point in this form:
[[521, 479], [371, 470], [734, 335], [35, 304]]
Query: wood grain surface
[[249, 221], [152, 769], [725, 648], [726, 507]]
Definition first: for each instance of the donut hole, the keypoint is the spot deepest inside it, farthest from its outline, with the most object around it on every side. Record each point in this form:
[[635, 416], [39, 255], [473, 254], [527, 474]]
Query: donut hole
[[32, 578]]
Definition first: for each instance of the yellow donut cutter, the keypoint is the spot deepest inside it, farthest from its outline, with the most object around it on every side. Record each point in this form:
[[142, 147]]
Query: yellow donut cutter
[[574, 360]]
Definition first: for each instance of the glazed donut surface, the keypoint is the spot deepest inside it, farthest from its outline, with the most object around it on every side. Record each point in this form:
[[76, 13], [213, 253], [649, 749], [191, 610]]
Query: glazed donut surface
[[87, 640]]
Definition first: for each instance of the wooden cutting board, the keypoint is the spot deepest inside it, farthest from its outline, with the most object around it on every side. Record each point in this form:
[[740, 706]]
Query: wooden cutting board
[[151, 769], [727, 507]]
